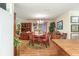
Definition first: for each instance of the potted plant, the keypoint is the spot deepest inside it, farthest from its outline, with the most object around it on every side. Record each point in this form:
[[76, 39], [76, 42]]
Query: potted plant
[[16, 43], [54, 34], [18, 29], [51, 29]]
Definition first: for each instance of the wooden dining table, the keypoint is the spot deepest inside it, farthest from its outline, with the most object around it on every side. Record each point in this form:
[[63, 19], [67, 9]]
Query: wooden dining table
[[39, 37], [67, 47]]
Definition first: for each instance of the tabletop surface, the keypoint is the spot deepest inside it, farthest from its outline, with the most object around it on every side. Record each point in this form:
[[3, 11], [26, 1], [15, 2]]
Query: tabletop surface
[[69, 46]]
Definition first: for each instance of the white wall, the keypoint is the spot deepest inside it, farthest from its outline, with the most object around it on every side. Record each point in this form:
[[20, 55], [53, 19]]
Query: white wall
[[10, 8], [66, 21], [6, 33], [74, 13], [18, 20], [65, 18]]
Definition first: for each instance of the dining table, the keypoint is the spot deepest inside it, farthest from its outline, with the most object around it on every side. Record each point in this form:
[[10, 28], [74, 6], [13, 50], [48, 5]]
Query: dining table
[[67, 47], [38, 37]]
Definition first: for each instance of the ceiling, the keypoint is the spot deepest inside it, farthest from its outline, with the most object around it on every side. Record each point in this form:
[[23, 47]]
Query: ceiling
[[51, 10]]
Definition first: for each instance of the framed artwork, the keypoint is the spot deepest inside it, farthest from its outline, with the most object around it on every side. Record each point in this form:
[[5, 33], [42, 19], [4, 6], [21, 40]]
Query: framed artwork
[[35, 26], [60, 25], [74, 28], [74, 19], [74, 35]]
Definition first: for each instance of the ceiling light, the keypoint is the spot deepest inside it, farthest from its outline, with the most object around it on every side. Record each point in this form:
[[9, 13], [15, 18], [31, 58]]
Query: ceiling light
[[40, 16]]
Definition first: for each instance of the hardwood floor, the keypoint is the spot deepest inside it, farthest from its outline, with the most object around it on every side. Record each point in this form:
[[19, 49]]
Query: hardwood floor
[[23, 50]]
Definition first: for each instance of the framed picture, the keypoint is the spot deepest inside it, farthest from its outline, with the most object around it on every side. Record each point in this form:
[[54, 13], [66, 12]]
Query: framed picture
[[74, 35], [74, 28], [74, 19], [35, 26], [60, 25]]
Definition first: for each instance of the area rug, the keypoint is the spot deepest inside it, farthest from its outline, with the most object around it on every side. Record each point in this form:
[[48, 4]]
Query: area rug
[[36, 46]]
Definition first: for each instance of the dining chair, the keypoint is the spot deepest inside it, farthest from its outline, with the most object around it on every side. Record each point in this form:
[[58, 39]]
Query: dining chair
[[31, 39], [45, 40]]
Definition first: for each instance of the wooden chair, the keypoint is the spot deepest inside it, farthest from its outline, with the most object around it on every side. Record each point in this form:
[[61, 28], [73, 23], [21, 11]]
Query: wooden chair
[[31, 39], [45, 40]]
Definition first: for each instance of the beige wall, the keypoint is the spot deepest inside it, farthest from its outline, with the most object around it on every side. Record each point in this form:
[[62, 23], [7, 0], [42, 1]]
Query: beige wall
[[66, 21], [65, 18], [74, 13]]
